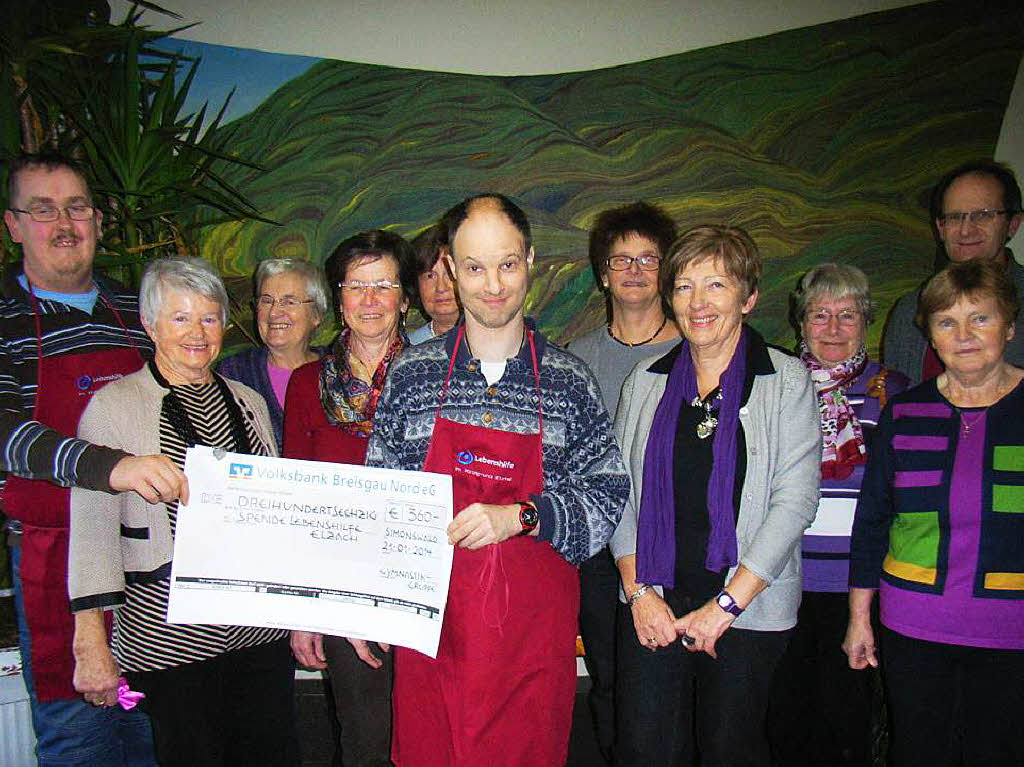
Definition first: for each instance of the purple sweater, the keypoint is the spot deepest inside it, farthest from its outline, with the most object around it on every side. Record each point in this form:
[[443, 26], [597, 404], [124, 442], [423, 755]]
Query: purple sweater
[[826, 544], [940, 521]]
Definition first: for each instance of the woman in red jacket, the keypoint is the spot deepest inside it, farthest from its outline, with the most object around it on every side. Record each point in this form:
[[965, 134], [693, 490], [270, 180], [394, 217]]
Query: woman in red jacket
[[328, 414]]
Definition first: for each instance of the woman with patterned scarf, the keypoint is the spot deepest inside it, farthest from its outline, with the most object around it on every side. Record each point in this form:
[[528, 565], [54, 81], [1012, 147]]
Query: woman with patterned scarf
[[328, 416], [822, 711]]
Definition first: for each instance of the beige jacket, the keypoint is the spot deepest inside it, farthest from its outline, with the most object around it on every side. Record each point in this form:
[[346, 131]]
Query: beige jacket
[[114, 537]]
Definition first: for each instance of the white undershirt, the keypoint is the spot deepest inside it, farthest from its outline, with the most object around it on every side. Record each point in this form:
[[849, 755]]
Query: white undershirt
[[493, 371]]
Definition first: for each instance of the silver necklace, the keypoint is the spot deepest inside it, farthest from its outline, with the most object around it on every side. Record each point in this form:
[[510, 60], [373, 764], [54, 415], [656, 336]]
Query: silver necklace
[[967, 424], [706, 427]]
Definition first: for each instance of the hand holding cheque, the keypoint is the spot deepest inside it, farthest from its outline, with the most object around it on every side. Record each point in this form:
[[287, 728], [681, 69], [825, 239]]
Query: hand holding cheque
[[327, 548]]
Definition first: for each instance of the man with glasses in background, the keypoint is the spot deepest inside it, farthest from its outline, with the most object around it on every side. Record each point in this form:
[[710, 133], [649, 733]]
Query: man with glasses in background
[[976, 209], [65, 332]]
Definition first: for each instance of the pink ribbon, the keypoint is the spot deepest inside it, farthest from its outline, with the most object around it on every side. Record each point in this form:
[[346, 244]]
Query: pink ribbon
[[126, 697]]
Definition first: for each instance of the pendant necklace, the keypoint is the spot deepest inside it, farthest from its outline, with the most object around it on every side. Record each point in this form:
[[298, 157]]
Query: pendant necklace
[[661, 327], [967, 424], [706, 427]]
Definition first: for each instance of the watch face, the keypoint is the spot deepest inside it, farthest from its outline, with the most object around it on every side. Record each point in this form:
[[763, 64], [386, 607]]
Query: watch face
[[528, 517], [727, 603]]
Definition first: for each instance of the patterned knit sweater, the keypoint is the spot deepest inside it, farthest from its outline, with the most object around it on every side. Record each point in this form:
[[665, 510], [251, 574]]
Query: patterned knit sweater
[[585, 482]]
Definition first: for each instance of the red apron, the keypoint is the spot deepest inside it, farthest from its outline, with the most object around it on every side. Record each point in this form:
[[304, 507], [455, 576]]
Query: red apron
[[66, 383], [501, 690]]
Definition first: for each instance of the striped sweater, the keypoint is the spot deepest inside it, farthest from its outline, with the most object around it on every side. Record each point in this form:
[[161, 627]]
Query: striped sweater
[[28, 448], [826, 543]]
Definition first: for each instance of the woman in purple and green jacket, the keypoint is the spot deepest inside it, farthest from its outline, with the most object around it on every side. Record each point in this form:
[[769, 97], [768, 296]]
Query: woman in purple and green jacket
[[939, 534]]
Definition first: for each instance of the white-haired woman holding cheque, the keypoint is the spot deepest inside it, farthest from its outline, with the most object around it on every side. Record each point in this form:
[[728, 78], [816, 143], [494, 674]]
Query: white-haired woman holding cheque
[[216, 695]]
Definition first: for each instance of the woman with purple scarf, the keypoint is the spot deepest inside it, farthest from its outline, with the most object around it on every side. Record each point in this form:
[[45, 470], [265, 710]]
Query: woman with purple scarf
[[723, 442], [822, 711]]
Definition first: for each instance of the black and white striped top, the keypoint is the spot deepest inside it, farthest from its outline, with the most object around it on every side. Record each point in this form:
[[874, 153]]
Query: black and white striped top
[[143, 640]]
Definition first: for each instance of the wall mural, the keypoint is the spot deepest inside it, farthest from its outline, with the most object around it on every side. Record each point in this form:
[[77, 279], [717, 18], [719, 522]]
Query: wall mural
[[823, 142]]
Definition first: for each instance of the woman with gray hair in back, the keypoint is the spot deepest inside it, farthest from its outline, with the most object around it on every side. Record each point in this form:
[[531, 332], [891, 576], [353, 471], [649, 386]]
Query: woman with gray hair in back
[[821, 711], [216, 695], [290, 300]]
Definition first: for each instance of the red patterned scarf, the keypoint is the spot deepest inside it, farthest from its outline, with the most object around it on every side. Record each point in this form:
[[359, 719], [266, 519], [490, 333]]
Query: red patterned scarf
[[349, 402], [842, 437]]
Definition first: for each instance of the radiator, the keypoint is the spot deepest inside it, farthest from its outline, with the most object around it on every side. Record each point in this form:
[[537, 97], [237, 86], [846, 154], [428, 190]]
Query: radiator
[[17, 740]]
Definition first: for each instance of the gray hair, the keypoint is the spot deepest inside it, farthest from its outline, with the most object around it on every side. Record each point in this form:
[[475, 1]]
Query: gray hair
[[316, 283], [834, 281], [180, 273]]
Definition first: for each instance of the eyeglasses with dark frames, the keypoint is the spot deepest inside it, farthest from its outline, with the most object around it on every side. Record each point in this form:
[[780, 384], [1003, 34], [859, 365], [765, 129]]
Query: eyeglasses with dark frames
[[622, 263], [47, 214]]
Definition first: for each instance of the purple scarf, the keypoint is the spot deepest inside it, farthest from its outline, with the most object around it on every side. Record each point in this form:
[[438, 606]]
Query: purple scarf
[[656, 536]]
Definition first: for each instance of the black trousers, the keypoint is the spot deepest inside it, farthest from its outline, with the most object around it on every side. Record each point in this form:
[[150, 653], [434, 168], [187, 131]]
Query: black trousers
[[234, 709], [362, 703], [951, 705], [822, 711], [677, 707], [599, 599]]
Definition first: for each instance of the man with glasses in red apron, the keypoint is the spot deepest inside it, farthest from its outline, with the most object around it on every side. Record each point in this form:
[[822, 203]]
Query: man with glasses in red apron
[[65, 333], [538, 486]]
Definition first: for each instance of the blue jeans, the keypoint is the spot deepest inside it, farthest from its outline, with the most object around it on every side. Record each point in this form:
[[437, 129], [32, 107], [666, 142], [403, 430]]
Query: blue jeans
[[71, 732]]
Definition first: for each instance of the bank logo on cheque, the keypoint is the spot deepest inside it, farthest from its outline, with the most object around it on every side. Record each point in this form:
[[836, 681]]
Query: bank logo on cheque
[[240, 471]]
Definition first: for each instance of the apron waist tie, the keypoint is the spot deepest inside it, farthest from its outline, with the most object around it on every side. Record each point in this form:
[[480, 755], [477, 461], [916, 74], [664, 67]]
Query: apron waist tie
[[488, 576]]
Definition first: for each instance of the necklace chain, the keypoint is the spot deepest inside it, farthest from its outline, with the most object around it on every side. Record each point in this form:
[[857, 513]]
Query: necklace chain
[[967, 424], [661, 327]]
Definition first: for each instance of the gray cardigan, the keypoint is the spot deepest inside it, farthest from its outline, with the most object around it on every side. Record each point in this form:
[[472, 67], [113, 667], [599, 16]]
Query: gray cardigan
[[782, 430], [904, 345], [125, 414]]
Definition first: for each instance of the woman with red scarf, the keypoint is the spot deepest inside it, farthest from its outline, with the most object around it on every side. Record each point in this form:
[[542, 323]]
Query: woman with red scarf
[[821, 709], [328, 413]]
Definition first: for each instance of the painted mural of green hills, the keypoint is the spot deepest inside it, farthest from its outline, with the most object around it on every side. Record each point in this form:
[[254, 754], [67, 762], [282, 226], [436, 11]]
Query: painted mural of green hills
[[823, 142]]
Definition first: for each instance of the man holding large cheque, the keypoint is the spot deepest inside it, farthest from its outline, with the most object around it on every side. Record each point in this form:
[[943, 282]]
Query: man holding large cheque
[[538, 486]]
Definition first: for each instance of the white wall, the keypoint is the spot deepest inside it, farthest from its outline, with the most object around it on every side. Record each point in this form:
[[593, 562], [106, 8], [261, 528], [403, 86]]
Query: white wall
[[525, 37], [492, 37], [1010, 148]]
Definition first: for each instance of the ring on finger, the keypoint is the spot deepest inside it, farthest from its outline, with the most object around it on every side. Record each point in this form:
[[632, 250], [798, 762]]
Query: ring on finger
[[688, 640]]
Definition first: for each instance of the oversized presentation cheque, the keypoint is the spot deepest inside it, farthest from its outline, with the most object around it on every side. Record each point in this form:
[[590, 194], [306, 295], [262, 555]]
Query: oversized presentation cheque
[[326, 547]]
